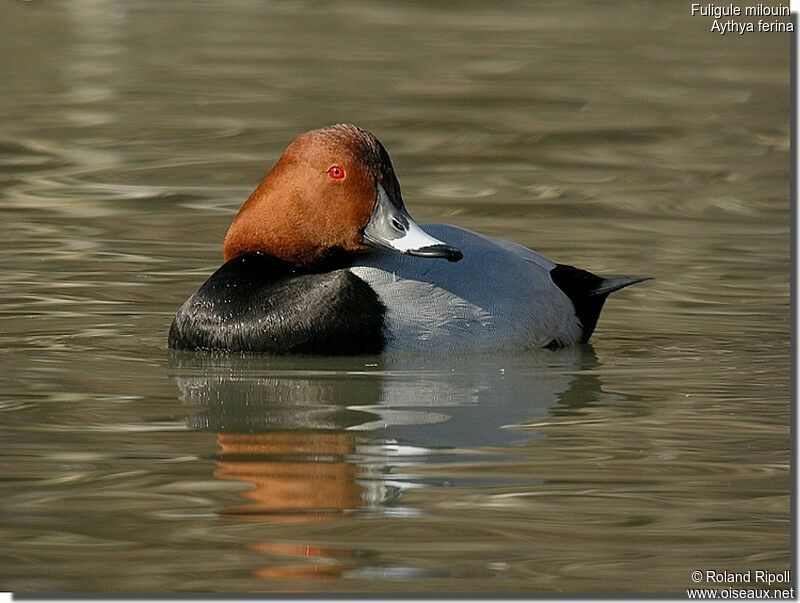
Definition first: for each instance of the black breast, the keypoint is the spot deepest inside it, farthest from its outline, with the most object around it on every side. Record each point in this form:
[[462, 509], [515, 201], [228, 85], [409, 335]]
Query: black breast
[[258, 303]]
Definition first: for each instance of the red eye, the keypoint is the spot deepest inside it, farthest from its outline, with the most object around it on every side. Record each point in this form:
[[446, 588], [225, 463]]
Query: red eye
[[336, 172]]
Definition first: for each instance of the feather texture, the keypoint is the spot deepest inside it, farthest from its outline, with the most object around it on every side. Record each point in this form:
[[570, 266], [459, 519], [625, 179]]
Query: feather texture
[[499, 296]]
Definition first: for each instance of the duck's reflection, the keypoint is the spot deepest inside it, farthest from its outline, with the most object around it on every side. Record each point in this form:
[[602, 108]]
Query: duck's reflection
[[314, 439], [295, 475]]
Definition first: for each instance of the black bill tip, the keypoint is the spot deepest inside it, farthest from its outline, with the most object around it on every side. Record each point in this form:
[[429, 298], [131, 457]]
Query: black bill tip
[[451, 254]]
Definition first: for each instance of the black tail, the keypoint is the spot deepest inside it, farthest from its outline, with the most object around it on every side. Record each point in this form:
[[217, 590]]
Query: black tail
[[588, 292], [615, 283]]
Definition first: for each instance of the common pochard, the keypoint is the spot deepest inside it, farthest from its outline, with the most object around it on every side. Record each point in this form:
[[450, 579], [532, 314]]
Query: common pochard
[[323, 258]]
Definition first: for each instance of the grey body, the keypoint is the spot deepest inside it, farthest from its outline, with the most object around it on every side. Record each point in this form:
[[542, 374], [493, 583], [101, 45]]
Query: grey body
[[499, 296]]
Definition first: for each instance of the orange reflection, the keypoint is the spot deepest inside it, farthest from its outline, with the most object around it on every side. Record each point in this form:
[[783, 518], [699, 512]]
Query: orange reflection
[[320, 562], [295, 476]]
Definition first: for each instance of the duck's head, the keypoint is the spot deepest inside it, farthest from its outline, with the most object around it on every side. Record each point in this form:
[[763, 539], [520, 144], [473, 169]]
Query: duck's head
[[332, 191]]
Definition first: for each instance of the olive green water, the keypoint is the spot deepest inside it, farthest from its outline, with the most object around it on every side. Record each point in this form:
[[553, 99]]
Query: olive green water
[[619, 137]]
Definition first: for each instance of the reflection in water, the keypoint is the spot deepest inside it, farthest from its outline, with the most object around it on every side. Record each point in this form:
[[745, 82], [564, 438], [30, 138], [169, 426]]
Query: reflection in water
[[313, 439], [301, 472], [294, 476]]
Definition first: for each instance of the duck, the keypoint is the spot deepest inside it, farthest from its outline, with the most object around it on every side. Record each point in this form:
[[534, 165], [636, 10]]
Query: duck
[[323, 258]]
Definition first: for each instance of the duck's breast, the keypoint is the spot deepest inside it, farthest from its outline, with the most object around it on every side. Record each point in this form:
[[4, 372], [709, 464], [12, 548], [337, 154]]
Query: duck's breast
[[499, 296]]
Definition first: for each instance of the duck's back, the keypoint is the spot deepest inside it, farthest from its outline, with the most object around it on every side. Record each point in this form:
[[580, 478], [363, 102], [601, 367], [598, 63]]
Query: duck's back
[[499, 296]]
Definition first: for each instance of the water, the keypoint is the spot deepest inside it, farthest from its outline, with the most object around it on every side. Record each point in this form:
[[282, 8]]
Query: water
[[617, 137]]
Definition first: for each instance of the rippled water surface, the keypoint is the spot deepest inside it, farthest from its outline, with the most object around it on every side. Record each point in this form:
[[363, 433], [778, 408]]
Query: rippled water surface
[[619, 137]]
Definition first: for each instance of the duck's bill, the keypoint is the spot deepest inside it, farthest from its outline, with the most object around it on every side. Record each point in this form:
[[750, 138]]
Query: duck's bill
[[390, 227]]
